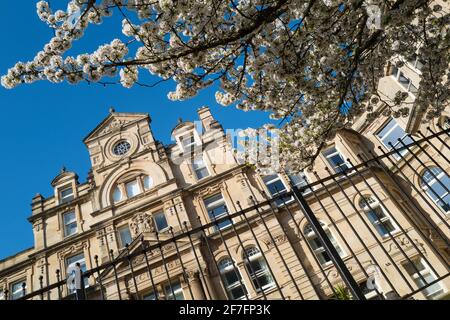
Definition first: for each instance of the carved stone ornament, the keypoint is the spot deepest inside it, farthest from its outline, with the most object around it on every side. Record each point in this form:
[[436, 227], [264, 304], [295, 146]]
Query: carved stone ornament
[[115, 125], [141, 222]]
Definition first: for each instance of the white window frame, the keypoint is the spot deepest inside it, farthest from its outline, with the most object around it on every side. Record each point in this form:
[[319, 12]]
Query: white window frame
[[253, 275], [72, 221], [396, 144], [14, 295], [413, 64], [375, 204], [165, 218], [305, 181], [239, 283], [168, 290], [311, 235], [280, 178], [191, 145], [139, 191], [446, 123], [82, 263], [427, 271], [70, 196], [329, 156], [431, 182], [216, 205], [199, 168], [396, 77]]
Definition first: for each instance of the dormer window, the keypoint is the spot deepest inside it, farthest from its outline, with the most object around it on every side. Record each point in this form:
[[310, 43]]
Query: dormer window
[[66, 195], [188, 142]]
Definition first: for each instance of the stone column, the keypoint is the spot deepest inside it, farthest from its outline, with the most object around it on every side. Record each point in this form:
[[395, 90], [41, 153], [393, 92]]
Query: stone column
[[196, 285]]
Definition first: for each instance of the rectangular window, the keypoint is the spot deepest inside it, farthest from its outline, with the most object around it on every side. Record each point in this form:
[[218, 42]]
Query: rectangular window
[[430, 292], [124, 236], [160, 221], [72, 261], [390, 133], [403, 80], [336, 160], [188, 143], [133, 188], [70, 223], [149, 296], [174, 292], [2, 295], [378, 216], [199, 167], [416, 62], [17, 290], [66, 195], [215, 205], [300, 181], [276, 187]]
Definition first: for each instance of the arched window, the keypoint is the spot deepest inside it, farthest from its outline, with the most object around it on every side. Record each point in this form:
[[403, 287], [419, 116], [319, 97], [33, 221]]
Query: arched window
[[257, 269], [117, 195], [317, 245], [378, 216], [437, 184], [232, 279]]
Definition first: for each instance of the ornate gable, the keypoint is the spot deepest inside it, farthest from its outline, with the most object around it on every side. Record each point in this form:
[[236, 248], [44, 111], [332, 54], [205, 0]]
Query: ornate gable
[[114, 122]]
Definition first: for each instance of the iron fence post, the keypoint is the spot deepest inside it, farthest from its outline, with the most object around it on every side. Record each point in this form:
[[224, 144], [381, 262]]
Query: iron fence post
[[346, 276]]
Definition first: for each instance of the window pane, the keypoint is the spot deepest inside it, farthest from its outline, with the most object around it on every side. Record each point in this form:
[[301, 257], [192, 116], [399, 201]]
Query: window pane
[[386, 128], [200, 168], [317, 245], [336, 160], [160, 221], [176, 288], [70, 223], [66, 195], [125, 236], [149, 296], [117, 195], [217, 209], [17, 290], [276, 187], [404, 81], [79, 258], [391, 133], [188, 143], [232, 279], [148, 182], [132, 188]]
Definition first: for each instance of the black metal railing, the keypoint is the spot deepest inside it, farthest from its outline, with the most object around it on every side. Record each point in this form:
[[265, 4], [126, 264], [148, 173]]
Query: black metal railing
[[378, 228]]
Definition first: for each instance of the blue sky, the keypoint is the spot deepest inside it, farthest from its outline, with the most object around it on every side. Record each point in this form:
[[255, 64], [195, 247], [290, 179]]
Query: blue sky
[[43, 124]]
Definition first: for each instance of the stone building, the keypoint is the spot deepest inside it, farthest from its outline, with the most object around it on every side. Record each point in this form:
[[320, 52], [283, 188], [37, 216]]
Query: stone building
[[383, 221]]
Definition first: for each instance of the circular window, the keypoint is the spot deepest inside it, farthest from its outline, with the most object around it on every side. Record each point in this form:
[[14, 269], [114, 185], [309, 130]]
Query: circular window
[[121, 148]]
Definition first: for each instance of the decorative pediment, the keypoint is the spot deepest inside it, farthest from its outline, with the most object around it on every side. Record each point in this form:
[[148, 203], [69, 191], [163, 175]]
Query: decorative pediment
[[115, 122]]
